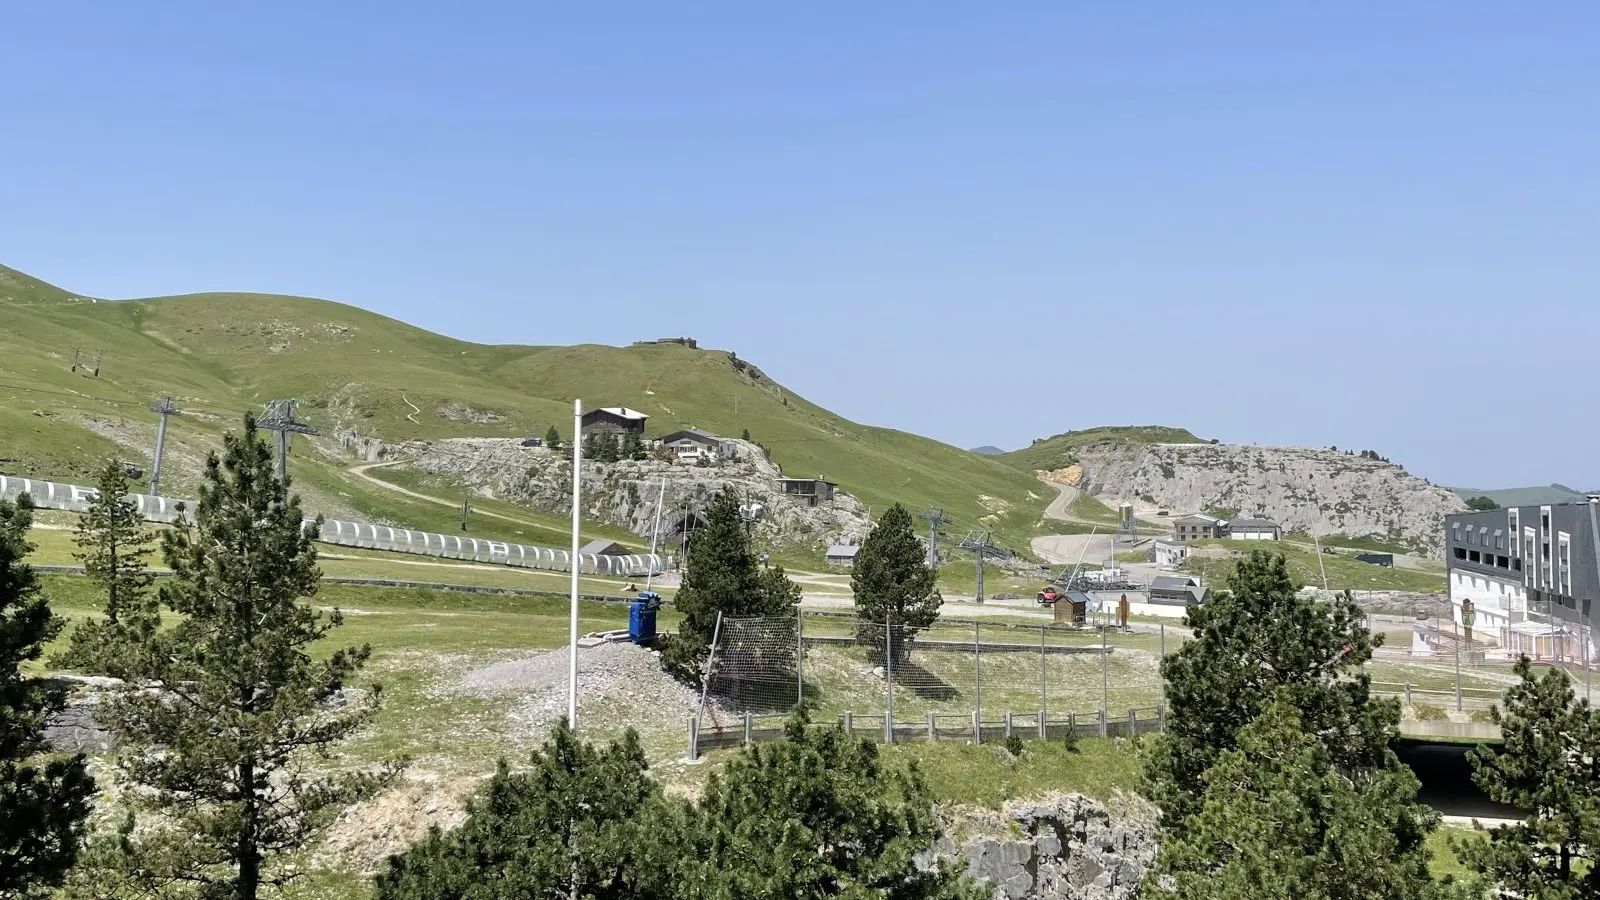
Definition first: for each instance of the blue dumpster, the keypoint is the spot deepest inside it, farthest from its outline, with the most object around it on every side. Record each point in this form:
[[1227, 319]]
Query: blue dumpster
[[642, 617]]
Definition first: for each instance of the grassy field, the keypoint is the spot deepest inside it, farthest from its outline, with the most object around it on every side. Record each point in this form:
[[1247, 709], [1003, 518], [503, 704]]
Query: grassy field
[[1343, 571], [1061, 450], [356, 371]]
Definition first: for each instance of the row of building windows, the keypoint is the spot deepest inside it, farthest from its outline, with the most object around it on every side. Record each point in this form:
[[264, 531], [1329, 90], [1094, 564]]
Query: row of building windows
[[1484, 558]]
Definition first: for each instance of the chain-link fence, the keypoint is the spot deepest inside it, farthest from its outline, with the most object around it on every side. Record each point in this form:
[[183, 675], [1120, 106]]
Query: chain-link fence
[[1436, 664], [951, 680]]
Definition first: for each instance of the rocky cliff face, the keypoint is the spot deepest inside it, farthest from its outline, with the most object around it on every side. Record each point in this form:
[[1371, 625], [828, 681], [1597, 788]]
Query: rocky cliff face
[[1302, 489], [625, 493], [1065, 847]]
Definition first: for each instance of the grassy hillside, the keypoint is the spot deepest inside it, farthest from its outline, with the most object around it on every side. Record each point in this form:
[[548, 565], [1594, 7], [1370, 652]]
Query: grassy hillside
[[1526, 496], [1061, 450], [1343, 572], [356, 371]]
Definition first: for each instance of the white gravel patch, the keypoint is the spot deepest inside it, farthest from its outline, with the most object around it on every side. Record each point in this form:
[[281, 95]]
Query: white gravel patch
[[619, 686]]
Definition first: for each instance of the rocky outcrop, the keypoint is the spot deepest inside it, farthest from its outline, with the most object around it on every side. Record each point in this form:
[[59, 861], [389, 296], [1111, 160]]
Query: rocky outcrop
[[1300, 488], [75, 727], [1065, 847], [625, 493]]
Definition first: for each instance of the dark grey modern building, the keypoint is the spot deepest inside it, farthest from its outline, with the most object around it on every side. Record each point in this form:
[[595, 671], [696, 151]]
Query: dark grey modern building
[[1532, 574]]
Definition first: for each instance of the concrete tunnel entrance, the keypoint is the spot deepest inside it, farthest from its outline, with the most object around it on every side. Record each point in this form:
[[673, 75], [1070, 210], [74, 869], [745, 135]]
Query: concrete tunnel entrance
[[1446, 776]]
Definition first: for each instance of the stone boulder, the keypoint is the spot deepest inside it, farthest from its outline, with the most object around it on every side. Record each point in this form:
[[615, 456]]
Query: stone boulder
[[1065, 847]]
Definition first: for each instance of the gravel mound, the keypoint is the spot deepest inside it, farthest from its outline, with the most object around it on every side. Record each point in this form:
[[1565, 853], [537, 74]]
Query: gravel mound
[[619, 685]]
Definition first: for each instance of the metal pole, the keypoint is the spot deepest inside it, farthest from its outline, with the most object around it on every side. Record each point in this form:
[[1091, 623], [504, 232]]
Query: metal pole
[[888, 678], [574, 565], [1320, 567], [711, 660], [799, 658], [650, 574], [1044, 703], [1161, 683], [1455, 623], [283, 453], [1105, 679], [165, 408], [980, 576], [977, 680]]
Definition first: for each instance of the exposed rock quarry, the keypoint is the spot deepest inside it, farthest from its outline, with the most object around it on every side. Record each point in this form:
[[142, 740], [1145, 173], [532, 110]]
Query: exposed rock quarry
[[1065, 847], [1300, 488], [624, 493]]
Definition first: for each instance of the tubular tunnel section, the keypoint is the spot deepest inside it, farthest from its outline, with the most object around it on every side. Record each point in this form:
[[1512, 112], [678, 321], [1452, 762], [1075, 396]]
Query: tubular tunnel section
[[363, 535]]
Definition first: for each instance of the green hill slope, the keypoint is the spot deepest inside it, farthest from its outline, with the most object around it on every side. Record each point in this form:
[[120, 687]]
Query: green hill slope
[[1526, 496], [1061, 450], [359, 372]]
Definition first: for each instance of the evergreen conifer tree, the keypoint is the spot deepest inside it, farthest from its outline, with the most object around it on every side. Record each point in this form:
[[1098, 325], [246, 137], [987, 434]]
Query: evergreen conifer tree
[[240, 701], [579, 816], [722, 576], [1277, 821], [1256, 641], [552, 439], [815, 815], [632, 447], [893, 584], [745, 435], [590, 442], [43, 802], [115, 549], [1547, 765]]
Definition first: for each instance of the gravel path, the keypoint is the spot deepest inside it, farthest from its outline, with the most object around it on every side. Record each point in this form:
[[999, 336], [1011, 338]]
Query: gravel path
[[619, 685]]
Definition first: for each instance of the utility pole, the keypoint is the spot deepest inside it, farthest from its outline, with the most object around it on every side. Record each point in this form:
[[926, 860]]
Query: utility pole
[[979, 543], [466, 509], [1320, 567], [164, 407], [77, 356], [97, 355], [280, 418], [934, 517]]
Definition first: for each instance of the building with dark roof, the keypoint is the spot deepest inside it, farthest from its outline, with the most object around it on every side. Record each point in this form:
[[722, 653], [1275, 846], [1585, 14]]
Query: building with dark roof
[[809, 491], [1252, 530], [843, 555], [1178, 590], [1532, 575], [615, 419]]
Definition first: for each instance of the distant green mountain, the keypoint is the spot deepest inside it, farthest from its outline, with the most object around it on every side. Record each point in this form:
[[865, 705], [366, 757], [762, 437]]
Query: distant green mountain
[[988, 450], [1061, 450], [357, 372], [1525, 496]]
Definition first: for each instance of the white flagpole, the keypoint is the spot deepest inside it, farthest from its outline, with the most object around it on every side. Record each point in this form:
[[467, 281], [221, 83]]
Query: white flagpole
[[572, 636], [651, 574]]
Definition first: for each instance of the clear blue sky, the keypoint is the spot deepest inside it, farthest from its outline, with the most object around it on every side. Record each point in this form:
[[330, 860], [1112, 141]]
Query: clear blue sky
[[1363, 224]]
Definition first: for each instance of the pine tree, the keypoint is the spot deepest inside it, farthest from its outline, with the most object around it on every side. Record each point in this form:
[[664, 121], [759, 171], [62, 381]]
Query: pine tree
[[579, 814], [115, 549], [815, 815], [1277, 821], [1251, 641], [745, 435], [552, 439], [632, 447], [589, 442], [722, 576], [43, 802], [217, 749], [1547, 765], [893, 584]]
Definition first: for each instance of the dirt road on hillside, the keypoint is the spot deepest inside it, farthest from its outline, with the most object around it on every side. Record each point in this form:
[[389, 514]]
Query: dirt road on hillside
[[361, 472]]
